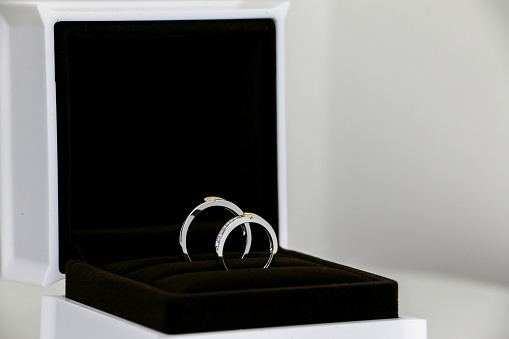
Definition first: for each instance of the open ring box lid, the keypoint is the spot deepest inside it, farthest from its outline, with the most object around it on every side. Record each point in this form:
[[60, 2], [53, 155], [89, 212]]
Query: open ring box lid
[[117, 123]]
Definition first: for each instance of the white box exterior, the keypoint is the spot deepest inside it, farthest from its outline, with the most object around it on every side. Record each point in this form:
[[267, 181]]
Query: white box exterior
[[28, 153], [66, 319]]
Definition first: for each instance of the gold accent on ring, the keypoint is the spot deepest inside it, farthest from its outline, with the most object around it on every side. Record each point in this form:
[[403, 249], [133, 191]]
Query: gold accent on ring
[[213, 198], [248, 214]]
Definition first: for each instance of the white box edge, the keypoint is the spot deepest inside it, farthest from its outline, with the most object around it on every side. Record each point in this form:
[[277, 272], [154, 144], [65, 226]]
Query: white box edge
[[64, 319]]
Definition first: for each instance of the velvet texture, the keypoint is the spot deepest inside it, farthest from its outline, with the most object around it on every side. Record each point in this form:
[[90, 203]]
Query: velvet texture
[[154, 116], [174, 296], [151, 118], [140, 275]]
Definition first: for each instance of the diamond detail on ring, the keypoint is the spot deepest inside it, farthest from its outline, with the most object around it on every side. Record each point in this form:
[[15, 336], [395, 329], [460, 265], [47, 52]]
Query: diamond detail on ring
[[221, 232]]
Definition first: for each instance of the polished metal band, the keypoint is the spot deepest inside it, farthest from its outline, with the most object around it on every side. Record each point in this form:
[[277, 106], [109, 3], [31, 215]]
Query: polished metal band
[[237, 221], [211, 202]]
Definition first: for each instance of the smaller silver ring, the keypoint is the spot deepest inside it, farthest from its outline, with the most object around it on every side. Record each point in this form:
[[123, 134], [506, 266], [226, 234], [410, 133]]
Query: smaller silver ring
[[237, 221], [211, 202]]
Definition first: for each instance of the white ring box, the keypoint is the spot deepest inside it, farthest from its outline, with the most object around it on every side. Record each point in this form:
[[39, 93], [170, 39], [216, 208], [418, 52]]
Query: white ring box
[[30, 161]]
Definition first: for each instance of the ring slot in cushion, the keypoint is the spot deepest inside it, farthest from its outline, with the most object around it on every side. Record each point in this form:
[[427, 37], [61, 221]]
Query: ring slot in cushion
[[246, 279], [151, 273], [204, 276]]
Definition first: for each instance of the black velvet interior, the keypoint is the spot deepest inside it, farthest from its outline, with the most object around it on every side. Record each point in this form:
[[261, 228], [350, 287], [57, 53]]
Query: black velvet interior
[[174, 296], [152, 117]]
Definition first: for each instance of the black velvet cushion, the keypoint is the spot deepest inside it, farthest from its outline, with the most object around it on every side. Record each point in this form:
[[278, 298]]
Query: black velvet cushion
[[175, 296]]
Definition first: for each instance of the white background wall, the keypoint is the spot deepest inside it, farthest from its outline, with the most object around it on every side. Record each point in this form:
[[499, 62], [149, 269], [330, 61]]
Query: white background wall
[[398, 121], [398, 124]]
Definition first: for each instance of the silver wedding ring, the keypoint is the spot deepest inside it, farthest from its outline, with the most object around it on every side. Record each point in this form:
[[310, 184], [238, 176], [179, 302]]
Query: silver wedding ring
[[240, 220], [211, 202]]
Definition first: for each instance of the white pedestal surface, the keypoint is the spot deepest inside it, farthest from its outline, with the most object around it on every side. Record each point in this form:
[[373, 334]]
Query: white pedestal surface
[[62, 318]]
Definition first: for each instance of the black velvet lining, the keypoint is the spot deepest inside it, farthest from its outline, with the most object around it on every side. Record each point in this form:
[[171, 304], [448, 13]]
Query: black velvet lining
[[174, 296], [152, 116]]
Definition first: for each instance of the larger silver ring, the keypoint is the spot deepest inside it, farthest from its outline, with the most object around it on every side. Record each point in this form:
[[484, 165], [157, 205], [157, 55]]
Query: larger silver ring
[[239, 220], [211, 202]]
